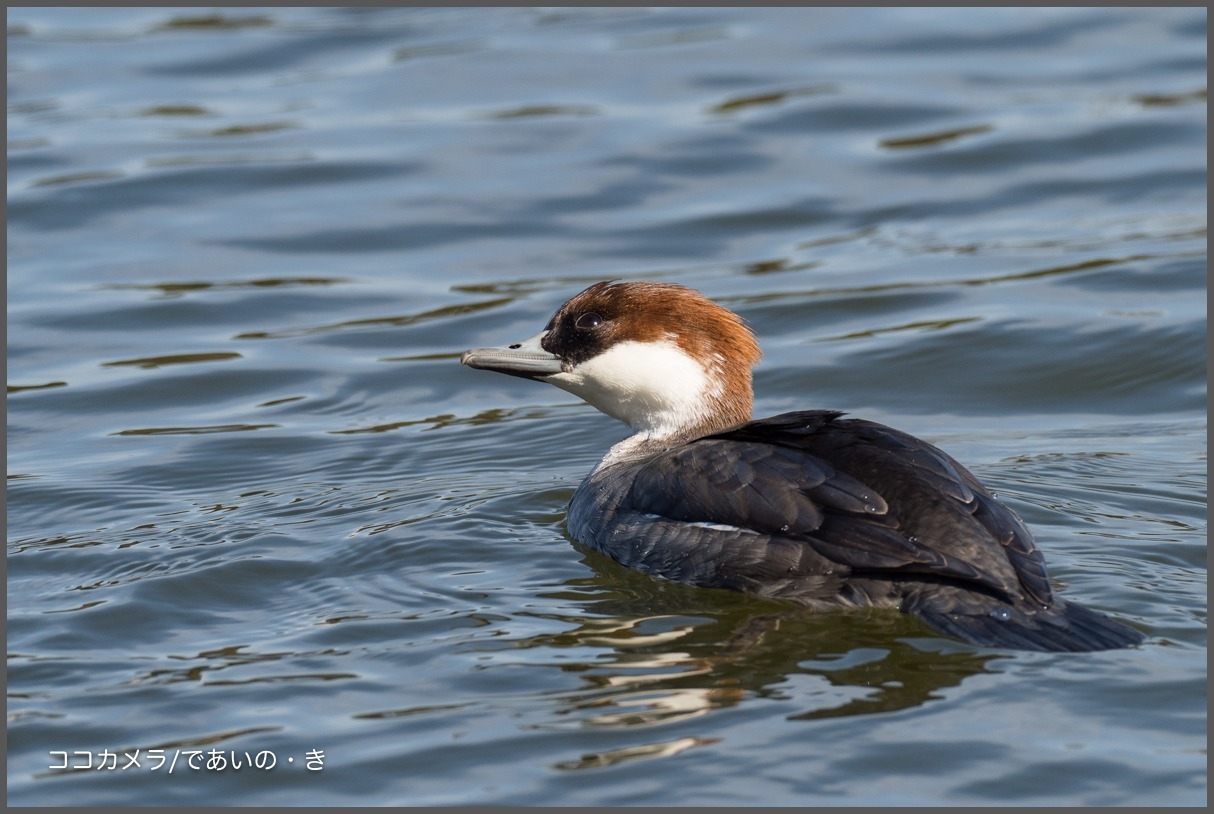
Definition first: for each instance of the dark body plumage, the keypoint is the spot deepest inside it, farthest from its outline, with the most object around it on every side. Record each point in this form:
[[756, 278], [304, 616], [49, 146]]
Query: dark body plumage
[[827, 511]]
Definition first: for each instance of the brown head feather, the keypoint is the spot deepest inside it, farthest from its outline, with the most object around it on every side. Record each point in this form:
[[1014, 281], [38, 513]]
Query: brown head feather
[[653, 312]]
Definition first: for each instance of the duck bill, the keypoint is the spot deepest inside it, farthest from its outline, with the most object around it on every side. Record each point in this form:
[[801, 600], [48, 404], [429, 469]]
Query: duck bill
[[526, 359]]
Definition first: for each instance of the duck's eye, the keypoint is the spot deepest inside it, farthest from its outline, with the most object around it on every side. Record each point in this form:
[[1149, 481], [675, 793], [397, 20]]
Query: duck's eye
[[588, 322]]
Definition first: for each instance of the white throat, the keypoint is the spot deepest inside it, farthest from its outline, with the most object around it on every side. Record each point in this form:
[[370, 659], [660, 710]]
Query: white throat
[[655, 388]]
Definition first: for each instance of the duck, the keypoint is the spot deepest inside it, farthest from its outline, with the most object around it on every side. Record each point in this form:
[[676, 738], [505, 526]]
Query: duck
[[812, 507]]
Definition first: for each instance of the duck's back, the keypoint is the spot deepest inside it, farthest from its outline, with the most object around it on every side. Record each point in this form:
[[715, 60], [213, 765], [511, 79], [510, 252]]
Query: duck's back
[[830, 511]]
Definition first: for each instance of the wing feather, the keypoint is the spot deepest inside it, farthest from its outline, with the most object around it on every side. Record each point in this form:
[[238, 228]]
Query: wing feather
[[904, 507]]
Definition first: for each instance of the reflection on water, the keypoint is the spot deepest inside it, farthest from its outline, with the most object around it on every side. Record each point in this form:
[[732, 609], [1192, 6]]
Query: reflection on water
[[663, 664]]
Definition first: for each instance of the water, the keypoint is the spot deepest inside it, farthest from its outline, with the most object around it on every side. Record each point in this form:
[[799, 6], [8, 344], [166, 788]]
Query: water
[[256, 506]]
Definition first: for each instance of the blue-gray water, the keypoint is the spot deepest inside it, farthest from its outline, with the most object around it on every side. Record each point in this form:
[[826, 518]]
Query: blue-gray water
[[256, 505]]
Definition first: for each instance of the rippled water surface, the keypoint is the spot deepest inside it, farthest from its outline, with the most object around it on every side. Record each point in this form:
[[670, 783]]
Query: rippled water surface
[[256, 506]]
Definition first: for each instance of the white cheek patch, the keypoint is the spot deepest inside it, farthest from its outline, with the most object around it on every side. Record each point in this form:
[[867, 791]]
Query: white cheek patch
[[654, 387]]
